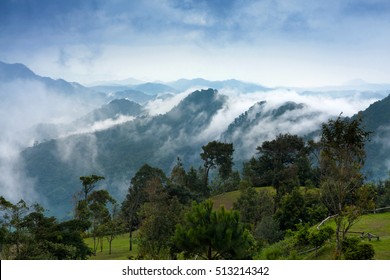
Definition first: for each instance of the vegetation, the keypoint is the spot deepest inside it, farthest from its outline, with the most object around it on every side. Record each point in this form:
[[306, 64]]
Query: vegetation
[[271, 212]]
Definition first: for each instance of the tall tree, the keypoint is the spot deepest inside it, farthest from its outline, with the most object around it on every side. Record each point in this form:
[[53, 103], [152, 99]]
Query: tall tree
[[341, 160], [217, 154], [283, 163], [159, 216], [100, 214], [137, 196]]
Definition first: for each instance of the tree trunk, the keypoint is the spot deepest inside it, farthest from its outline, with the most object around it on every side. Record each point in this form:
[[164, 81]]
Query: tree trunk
[[101, 244], [131, 239]]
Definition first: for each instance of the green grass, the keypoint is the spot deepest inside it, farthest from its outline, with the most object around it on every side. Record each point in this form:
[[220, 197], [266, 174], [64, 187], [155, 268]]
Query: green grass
[[377, 224], [119, 251]]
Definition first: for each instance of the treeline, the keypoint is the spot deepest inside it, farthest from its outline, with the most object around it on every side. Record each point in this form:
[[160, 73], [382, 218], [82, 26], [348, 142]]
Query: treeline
[[285, 188]]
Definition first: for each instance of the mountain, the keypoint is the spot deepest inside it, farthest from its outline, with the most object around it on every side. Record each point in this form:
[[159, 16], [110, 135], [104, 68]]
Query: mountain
[[10, 72], [115, 112], [184, 84], [19, 73], [376, 119], [119, 151], [264, 121], [154, 88], [133, 95], [112, 110]]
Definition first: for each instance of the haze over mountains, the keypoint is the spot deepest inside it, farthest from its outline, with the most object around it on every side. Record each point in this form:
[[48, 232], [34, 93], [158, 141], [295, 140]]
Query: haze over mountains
[[54, 131]]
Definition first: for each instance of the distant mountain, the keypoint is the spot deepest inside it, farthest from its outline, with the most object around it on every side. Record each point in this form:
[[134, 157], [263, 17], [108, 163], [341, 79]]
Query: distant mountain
[[154, 88], [184, 84], [110, 89], [133, 95], [18, 73]]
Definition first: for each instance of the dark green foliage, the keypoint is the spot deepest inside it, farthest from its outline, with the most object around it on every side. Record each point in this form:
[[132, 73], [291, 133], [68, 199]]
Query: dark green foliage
[[354, 249], [283, 163], [291, 210], [254, 206], [318, 237], [217, 154], [195, 183], [137, 196], [268, 230], [213, 234], [159, 216]]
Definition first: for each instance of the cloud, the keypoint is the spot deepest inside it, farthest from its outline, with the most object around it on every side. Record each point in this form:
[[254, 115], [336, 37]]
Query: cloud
[[160, 106], [78, 40], [24, 104], [317, 108]]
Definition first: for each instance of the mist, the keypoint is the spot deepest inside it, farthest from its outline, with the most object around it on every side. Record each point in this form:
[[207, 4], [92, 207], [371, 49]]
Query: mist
[[25, 104]]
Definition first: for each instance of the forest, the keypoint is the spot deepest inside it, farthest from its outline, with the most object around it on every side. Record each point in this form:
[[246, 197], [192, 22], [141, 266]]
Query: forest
[[285, 190]]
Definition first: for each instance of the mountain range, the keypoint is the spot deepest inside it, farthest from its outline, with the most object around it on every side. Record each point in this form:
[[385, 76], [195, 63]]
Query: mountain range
[[118, 136]]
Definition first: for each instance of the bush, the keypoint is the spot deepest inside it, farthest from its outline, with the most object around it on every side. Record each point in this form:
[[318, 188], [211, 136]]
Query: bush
[[354, 249]]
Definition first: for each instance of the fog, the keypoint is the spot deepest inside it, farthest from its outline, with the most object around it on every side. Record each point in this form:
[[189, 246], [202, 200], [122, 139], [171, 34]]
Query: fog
[[25, 104]]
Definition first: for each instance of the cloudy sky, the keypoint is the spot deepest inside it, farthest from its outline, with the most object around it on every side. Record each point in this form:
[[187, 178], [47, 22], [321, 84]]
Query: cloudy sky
[[271, 42]]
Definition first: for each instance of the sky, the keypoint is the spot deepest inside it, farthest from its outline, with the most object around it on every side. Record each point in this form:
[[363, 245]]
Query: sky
[[270, 42]]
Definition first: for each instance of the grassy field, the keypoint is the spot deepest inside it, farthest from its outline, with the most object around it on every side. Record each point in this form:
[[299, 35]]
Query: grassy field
[[119, 250], [377, 224]]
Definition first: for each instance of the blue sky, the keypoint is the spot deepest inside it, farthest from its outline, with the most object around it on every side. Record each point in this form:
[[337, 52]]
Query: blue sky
[[272, 42]]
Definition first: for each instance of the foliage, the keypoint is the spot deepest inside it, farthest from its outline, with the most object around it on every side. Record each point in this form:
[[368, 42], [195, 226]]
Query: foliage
[[137, 196], [159, 216], [354, 249], [89, 183], [213, 234], [283, 159], [268, 230], [36, 236], [383, 194], [217, 154], [341, 159], [291, 210], [254, 206]]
